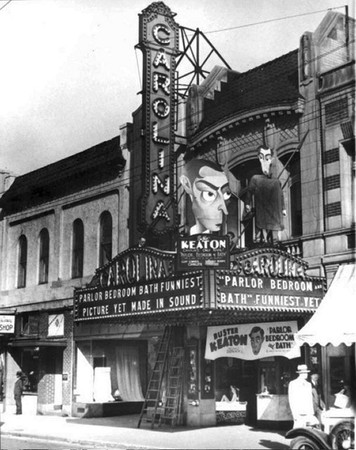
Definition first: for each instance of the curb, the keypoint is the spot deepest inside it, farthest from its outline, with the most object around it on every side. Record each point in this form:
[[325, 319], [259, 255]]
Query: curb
[[108, 444]]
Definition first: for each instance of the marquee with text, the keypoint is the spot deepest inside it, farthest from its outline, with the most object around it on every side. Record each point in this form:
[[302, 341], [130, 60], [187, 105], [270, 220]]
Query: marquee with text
[[261, 292], [171, 294]]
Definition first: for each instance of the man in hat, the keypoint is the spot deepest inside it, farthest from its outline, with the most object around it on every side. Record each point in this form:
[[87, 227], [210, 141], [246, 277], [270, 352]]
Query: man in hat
[[301, 399], [18, 390]]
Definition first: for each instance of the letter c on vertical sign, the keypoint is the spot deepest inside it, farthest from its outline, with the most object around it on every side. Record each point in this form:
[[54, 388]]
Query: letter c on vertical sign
[[160, 27]]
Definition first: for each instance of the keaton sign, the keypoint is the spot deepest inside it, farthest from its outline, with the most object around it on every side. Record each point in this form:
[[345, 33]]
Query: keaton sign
[[252, 341], [203, 251]]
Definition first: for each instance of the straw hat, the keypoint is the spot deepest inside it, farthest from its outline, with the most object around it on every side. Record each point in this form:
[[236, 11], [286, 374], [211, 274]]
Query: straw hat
[[302, 368]]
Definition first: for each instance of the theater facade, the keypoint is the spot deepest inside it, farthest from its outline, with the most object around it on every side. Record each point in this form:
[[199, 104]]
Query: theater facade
[[203, 301], [121, 317]]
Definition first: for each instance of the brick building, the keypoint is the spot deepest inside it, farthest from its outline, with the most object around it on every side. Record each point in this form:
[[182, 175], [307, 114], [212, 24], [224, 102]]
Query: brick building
[[58, 224]]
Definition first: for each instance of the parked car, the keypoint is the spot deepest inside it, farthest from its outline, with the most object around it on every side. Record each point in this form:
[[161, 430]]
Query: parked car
[[340, 437]]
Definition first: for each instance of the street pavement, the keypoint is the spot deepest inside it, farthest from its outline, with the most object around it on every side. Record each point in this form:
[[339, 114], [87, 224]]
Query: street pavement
[[121, 432]]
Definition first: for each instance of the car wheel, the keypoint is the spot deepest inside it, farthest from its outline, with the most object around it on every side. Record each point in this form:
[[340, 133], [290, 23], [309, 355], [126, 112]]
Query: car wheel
[[342, 436], [303, 443]]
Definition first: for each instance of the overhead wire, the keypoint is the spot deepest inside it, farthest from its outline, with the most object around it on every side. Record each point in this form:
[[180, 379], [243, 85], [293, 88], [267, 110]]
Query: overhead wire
[[4, 6], [271, 20], [227, 146]]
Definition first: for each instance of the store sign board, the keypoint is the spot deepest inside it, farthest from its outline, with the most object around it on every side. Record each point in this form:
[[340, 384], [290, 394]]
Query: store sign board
[[264, 293], [7, 324], [203, 251], [159, 42], [252, 341], [171, 294]]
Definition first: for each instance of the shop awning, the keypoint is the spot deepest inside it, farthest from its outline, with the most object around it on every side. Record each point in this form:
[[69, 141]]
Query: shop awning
[[334, 321], [25, 343]]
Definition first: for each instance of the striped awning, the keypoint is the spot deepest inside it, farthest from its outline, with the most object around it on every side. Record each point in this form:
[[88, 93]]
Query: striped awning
[[334, 322]]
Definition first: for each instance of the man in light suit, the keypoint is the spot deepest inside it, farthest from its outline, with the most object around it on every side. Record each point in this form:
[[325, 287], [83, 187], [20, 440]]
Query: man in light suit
[[301, 399]]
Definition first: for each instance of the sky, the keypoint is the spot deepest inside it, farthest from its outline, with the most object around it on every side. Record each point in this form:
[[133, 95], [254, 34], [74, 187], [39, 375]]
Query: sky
[[70, 75]]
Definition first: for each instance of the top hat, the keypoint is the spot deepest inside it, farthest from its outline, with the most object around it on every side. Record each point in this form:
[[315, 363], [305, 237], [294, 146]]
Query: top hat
[[302, 368]]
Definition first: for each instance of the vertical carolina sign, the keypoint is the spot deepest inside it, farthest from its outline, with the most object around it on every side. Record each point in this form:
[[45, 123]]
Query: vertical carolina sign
[[159, 44]]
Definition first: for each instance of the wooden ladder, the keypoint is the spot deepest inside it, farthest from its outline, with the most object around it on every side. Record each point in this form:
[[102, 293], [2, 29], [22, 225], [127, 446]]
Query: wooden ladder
[[173, 400], [152, 399]]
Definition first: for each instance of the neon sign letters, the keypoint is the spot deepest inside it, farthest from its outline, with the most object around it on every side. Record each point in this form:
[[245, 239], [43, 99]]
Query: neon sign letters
[[159, 44]]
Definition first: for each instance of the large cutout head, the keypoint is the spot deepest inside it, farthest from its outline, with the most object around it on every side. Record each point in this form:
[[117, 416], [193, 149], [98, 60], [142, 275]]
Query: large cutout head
[[265, 156], [208, 188]]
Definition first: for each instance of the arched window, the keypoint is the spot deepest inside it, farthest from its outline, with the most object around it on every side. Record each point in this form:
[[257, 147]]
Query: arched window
[[44, 256], [77, 249], [105, 238], [22, 262]]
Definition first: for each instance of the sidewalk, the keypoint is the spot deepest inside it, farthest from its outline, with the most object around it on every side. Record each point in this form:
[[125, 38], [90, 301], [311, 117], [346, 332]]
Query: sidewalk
[[121, 432]]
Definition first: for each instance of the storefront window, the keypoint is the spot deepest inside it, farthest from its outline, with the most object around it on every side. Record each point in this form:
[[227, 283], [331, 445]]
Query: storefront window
[[30, 368], [121, 366], [30, 324]]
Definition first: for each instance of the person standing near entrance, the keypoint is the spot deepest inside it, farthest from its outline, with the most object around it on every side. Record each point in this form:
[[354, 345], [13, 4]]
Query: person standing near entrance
[[18, 390], [318, 404], [300, 398]]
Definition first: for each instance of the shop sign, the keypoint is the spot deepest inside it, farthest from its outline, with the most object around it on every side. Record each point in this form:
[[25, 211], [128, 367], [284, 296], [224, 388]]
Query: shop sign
[[203, 251], [171, 294], [159, 42], [239, 291], [252, 341], [7, 324]]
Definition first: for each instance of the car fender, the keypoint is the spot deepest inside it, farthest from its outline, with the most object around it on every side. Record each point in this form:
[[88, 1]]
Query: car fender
[[318, 436]]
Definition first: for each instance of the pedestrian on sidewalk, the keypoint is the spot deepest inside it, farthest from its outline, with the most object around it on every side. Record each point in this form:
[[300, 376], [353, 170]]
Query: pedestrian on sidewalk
[[18, 390], [300, 398], [318, 403]]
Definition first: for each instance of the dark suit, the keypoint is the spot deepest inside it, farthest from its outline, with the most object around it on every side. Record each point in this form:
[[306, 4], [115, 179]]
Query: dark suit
[[318, 404], [18, 389]]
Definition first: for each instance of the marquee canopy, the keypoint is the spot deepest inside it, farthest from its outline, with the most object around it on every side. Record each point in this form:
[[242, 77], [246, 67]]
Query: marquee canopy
[[334, 321]]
